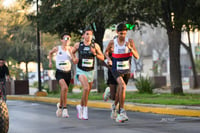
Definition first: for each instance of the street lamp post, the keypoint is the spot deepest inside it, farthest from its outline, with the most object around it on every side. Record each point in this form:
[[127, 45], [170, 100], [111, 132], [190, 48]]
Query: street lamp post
[[38, 50]]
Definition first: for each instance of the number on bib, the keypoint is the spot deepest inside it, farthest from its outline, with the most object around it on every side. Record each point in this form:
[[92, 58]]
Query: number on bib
[[122, 65], [65, 65], [87, 62]]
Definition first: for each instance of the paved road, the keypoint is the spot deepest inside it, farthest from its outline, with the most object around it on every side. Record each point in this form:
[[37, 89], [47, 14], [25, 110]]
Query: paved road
[[30, 117]]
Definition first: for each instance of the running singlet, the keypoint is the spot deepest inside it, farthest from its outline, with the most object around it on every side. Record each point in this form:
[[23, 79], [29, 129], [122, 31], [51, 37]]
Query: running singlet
[[86, 58], [63, 60], [121, 57]]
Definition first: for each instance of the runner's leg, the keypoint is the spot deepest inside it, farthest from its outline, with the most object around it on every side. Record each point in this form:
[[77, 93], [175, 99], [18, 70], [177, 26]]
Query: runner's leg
[[85, 85], [113, 90], [63, 94], [121, 88], [90, 87]]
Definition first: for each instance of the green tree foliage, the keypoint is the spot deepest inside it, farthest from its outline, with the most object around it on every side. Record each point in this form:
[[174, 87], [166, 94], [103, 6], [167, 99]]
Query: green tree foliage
[[18, 36]]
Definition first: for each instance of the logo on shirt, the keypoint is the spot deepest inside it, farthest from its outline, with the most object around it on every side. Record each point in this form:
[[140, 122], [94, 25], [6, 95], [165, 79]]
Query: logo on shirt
[[86, 48]]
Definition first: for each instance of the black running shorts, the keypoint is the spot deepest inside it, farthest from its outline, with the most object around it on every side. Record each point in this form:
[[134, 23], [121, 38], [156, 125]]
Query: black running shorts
[[63, 75], [116, 74], [111, 79]]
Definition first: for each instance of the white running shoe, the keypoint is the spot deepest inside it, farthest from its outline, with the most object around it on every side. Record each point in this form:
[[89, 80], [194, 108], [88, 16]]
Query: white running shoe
[[79, 111], [106, 94], [124, 114], [113, 114], [65, 113], [59, 110], [85, 113], [122, 117]]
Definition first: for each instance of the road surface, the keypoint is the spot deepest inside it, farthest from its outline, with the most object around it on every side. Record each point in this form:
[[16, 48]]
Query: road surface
[[32, 117]]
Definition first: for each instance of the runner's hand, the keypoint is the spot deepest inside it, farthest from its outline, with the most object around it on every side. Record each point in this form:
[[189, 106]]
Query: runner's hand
[[128, 44], [109, 62], [93, 50], [76, 61], [50, 65]]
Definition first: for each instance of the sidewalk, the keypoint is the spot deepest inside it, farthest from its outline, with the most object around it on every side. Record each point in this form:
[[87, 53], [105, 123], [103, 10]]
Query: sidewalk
[[190, 91]]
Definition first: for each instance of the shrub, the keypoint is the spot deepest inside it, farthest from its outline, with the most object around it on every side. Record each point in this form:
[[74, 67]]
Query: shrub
[[102, 86], [144, 85], [35, 84], [71, 86]]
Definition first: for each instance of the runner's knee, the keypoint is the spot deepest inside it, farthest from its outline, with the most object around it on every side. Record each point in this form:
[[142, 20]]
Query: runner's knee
[[86, 87], [64, 88], [122, 85]]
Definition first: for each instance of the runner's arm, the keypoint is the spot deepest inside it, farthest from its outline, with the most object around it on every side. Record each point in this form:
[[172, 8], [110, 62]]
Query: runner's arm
[[99, 53], [75, 48], [73, 56], [132, 48], [55, 49], [109, 50]]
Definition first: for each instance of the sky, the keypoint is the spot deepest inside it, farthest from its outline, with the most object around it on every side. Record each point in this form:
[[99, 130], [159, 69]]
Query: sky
[[7, 3]]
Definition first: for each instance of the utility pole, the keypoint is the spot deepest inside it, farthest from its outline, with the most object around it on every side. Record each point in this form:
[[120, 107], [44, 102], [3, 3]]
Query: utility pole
[[38, 50]]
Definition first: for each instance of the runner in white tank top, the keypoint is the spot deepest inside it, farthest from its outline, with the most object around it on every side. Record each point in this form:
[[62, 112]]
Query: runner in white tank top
[[63, 72], [122, 50], [63, 60]]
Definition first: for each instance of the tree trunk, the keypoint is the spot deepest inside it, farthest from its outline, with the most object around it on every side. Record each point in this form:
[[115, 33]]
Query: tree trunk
[[26, 74], [99, 33], [192, 62], [174, 37]]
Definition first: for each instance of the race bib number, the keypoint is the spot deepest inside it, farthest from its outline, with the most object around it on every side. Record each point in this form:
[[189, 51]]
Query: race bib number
[[122, 65], [65, 65], [87, 62], [121, 51]]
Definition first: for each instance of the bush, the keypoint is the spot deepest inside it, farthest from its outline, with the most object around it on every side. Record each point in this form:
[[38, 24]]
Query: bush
[[71, 86], [35, 84], [102, 86], [144, 85], [45, 86]]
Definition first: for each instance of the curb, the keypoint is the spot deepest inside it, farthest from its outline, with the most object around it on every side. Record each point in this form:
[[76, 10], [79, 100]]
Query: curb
[[159, 109]]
